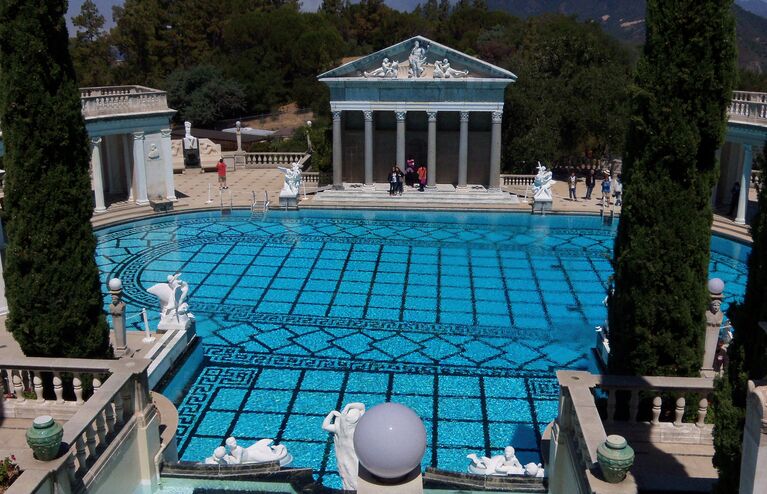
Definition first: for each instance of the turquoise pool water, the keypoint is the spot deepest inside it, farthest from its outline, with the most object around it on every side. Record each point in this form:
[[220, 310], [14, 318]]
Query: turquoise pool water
[[463, 317]]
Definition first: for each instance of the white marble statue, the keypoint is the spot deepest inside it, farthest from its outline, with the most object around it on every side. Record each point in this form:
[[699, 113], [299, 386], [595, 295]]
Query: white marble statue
[[534, 470], [190, 141], [174, 311], [443, 70], [388, 69], [292, 179], [219, 457], [542, 184], [498, 465], [260, 452], [342, 425], [154, 153], [417, 60]]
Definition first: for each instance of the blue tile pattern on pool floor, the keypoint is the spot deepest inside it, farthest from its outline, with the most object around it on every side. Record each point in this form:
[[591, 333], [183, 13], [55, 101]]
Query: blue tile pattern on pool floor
[[463, 317]]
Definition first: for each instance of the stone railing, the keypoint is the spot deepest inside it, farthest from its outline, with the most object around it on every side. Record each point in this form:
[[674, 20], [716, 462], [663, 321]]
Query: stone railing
[[756, 179], [316, 179], [748, 107], [272, 160], [517, 180], [122, 100], [591, 406], [95, 424]]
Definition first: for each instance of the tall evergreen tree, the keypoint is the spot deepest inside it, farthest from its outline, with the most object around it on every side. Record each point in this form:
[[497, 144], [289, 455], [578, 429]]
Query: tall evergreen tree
[[52, 282], [684, 83], [91, 53], [747, 360]]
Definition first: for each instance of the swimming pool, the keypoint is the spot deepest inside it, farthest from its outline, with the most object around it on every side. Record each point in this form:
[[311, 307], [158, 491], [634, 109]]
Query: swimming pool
[[464, 317]]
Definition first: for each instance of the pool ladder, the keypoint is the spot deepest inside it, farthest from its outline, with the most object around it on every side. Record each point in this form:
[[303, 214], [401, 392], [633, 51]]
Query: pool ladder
[[257, 208], [223, 204]]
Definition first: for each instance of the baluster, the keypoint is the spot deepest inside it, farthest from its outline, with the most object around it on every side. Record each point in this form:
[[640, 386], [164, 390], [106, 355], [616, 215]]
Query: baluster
[[71, 470], [7, 381], [58, 388], [96, 384], [679, 412], [702, 411], [18, 388], [82, 456], [101, 428], [610, 405], [634, 405], [38, 385], [78, 385], [90, 440], [119, 417], [656, 404], [109, 415]]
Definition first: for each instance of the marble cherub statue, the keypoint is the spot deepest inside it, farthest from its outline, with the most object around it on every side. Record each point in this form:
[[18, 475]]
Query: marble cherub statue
[[341, 425], [498, 465], [174, 310], [261, 451], [388, 69], [444, 70]]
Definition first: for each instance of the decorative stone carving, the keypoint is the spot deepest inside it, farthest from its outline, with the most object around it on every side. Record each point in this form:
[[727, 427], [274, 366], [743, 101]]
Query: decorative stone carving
[[154, 153], [177, 154], [174, 310], [400, 115], [117, 311], [499, 465], [714, 318], [292, 179], [219, 457], [443, 70], [191, 147], [336, 115], [464, 116], [342, 425], [497, 116], [209, 153], [417, 60], [261, 451], [388, 69], [432, 116], [368, 114]]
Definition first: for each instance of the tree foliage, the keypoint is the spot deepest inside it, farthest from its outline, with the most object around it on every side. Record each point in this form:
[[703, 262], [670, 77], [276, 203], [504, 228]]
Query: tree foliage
[[683, 87], [746, 358], [91, 53], [203, 96], [52, 282]]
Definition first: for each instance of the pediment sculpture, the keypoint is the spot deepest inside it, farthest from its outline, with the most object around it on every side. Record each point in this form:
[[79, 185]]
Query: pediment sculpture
[[387, 70]]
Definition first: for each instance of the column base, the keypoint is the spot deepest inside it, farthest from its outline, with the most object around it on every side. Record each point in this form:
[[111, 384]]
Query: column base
[[100, 210], [172, 198], [142, 203], [464, 186], [338, 186], [431, 187], [740, 221], [494, 189]]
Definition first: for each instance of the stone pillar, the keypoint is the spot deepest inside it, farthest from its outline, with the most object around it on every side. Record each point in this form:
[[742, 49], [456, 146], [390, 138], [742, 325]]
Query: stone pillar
[[113, 176], [400, 159], [128, 165], [139, 168], [745, 183], [98, 181], [238, 131], [754, 450], [338, 180], [495, 152], [368, 148], [463, 149], [117, 311], [167, 156], [431, 156], [714, 319]]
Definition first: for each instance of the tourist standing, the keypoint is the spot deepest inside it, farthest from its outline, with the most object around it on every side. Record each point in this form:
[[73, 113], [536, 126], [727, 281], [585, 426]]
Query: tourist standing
[[393, 181], [221, 170], [410, 175], [591, 181], [734, 198], [618, 190], [400, 178], [572, 180], [422, 173], [606, 190]]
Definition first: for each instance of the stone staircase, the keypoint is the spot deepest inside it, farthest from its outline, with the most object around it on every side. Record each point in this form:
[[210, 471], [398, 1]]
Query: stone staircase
[[444, 196]]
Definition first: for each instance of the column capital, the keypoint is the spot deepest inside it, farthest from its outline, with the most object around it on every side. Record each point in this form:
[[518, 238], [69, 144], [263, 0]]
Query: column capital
[[400, 115], [95, 140], [464, 116], [336, 115], [165, 133], [368, 114], [138, 136], [432, 115], [497, 116]]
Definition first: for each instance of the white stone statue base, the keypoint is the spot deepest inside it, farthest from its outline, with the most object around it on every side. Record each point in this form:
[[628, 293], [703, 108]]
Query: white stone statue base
[[369, 484], [288, 199], [183, 324], [541, 205]]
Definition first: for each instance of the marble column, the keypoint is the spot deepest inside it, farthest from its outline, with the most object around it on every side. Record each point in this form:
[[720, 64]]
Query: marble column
[[128, 162], [113, 173], [463, 150], [495, 151], [139, 168], [167, 156], [400, 115], [431, 156], [368, 148], [338, 177], [96, 173], [745, 183]]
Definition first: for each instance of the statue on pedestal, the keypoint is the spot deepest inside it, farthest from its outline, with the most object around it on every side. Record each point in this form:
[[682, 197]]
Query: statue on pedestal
[[191, 147], [292, 179], [342, 425], [117, 311], [174, 311], [714, 318], [542, 184], [417, 60]]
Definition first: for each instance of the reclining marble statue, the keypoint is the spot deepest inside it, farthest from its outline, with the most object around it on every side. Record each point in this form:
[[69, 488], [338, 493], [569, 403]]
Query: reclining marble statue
[[503, 465], [443, 70], [174, 310], [342, 425], [261, 451], [388, 69]]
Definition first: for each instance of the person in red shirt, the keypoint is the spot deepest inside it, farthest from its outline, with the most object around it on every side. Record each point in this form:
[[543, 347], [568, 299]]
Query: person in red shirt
[[221, 169]]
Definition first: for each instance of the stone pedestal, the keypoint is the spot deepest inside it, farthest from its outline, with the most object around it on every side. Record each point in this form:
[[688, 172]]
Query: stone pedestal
[[186, 324], [288, 199], [369, 484], [542, 205], [117, 311]]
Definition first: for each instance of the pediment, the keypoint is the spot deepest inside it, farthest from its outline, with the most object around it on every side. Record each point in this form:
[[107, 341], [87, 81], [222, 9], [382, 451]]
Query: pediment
[[418, 55]]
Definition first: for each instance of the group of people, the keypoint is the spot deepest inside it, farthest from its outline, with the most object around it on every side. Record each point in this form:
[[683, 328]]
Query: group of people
[[609, 187], [412, 177]]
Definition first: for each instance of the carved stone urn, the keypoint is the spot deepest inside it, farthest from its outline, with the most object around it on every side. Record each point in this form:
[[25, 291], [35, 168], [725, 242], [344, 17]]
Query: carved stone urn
[[615, 458], [44, 437]]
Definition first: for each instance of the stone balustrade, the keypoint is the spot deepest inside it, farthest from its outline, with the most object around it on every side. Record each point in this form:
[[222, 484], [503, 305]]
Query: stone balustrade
[[96, 420], [748, 107], [272, 160], [517, 180], [122, 100], [316, 179]]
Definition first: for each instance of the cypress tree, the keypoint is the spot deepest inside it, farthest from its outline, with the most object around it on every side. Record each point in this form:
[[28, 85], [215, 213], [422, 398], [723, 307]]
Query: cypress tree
[[746, 353], [683, 86], [52, 282]]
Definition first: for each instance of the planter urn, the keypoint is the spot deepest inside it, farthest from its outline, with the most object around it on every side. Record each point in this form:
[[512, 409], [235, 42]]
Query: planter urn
[[44, 437], [615, 458]]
